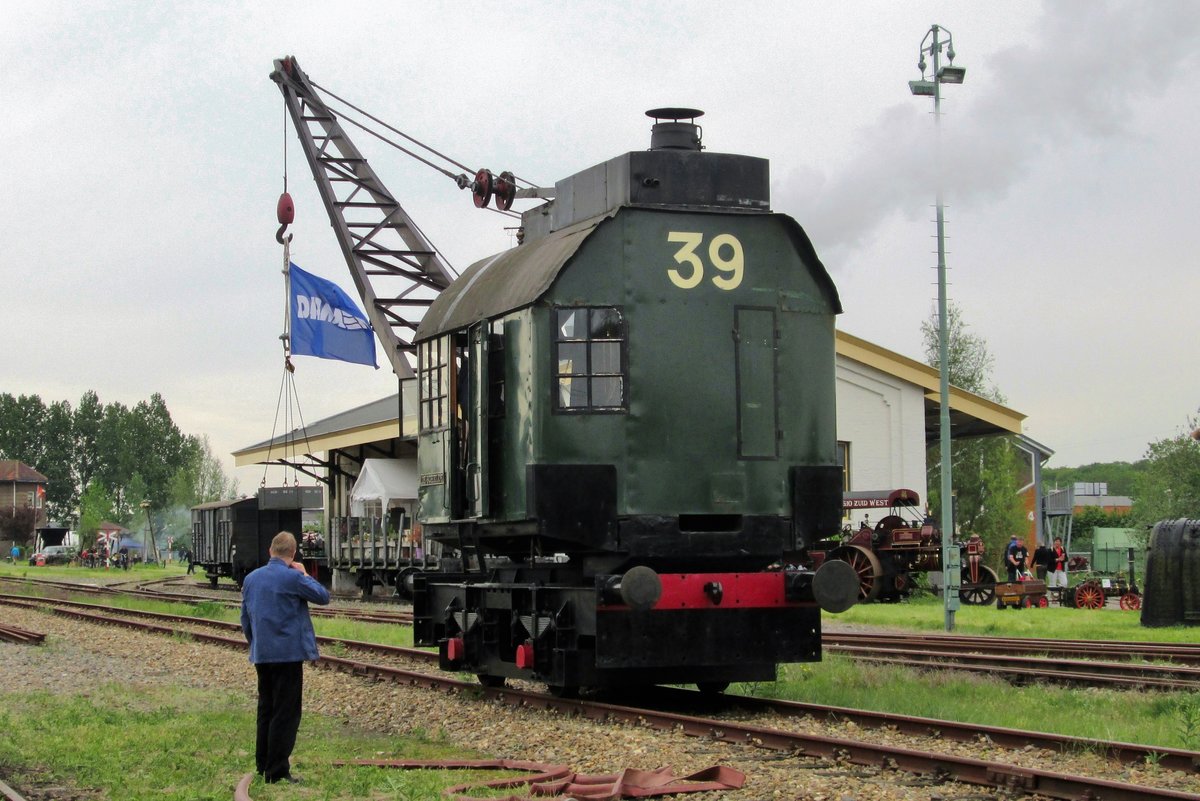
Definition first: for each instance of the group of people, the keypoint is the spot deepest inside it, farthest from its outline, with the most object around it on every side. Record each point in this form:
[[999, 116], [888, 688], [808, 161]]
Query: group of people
[[1050, 561], [99, 556]]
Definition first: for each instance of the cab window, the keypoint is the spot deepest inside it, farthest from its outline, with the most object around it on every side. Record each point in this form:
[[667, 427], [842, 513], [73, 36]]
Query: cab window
[[433, 367], [589, 353]]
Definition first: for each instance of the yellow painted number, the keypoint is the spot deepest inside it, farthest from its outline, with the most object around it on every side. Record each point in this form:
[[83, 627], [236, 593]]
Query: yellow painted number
[[724, 251], [734, 265], [686, 255]]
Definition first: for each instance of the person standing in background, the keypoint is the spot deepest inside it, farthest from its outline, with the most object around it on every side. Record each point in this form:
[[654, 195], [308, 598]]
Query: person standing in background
[[1058, 573]]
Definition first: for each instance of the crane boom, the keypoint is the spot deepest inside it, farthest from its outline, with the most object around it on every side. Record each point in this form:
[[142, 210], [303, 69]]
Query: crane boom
[[397, 272]]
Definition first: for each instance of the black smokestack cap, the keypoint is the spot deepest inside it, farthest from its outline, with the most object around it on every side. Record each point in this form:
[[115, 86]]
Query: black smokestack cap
[[675, 134]]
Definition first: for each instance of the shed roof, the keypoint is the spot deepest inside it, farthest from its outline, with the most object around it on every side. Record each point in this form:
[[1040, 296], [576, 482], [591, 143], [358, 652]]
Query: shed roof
[[19, 472], [371, 422], [504, 282], [971, 415]]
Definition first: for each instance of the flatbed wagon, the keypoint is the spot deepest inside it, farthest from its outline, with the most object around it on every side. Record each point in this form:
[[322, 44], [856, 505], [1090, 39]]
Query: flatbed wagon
[[1021, 594]]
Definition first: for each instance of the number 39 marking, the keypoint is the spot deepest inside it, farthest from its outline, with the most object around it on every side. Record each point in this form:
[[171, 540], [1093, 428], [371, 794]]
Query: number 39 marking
[[733, 265]]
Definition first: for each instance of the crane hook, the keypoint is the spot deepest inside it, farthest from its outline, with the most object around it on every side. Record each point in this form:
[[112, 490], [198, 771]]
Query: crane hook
[[285, 212]]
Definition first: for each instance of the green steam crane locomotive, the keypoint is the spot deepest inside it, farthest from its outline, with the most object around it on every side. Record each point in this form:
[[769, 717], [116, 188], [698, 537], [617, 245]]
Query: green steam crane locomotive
[[626, 431]]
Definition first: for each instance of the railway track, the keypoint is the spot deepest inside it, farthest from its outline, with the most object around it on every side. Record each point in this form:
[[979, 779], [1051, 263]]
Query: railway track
[[362, 615], [661, 716], [1078, 662], [1088, 672], [1178, 653]]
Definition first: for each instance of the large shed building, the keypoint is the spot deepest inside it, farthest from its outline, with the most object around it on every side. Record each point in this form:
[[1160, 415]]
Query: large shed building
[[887, 413]]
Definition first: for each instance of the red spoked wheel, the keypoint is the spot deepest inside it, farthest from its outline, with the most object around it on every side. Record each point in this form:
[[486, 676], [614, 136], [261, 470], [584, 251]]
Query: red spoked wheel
[[866, 565], [505, 188], [981, 593], [1131, 601], [1026, 602], [1043, 602], [1089, 595], [481, 188]]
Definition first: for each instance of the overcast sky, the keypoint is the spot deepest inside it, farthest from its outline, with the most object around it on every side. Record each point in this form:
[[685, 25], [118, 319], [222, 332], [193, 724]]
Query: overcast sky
[[144, 156]]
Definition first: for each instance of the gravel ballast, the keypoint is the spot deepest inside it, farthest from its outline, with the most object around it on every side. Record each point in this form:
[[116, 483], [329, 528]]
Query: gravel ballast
[[69, 661]]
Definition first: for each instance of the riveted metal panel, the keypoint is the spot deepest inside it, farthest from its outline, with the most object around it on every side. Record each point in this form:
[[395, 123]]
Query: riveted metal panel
[[677, 443], [755, 387]]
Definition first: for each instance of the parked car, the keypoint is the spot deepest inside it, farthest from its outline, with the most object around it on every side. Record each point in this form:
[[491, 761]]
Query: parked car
[[53, 555]]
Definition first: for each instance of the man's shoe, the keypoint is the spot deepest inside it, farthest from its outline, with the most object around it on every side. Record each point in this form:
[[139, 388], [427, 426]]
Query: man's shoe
[[290, 779]]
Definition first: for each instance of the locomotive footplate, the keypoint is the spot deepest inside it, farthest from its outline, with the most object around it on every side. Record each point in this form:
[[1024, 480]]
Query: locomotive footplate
[[639, 628]]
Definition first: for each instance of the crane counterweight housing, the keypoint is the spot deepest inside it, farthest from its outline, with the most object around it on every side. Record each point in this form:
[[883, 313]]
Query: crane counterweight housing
[[626, 431]]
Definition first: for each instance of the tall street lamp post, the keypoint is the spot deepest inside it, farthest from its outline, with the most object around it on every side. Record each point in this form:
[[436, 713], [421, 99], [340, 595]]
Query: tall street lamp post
[[932, 45]]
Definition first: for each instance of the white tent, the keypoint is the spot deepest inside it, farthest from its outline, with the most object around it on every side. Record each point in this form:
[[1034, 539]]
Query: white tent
[[387, 482]]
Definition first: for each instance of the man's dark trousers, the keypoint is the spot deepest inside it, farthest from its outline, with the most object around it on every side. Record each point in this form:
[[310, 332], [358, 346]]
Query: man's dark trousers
[[280, 688]]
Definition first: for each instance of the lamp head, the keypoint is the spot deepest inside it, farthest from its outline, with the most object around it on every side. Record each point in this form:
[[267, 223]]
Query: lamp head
[[951, 74], [921, 88]]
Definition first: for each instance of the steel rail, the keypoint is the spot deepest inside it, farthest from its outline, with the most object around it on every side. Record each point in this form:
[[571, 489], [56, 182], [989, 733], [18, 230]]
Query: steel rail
[[1182, 653], [9, 793], [166, 617], [15, 634], [965, 769], [362, 615]]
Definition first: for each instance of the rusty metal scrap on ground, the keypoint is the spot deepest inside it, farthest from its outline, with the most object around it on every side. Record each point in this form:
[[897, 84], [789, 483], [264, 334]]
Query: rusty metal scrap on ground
[[555, 781], [560, 782]]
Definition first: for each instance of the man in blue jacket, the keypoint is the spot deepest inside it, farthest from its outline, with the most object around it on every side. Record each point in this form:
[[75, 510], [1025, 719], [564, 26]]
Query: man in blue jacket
[[277, 626]]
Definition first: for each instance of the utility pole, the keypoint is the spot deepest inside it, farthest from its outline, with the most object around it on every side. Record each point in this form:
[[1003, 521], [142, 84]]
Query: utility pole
[[932, 45]]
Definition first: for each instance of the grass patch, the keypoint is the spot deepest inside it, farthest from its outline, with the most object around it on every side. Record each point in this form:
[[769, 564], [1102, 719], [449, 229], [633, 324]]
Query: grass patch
[[23, 569], [190, 744], [1169, 720]]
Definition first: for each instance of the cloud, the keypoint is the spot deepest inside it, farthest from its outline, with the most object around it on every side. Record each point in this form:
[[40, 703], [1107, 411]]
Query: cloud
[[1078, 80]]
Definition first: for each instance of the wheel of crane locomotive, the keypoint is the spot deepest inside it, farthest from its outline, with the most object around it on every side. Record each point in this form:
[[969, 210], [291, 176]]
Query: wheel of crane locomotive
[[490, 681], [1043, 602], [1026, 602], [712, 687], [1131, 601], [404, 581], [481, 188], [1089, 595], [980, 594], [866, 565], [563, 690]]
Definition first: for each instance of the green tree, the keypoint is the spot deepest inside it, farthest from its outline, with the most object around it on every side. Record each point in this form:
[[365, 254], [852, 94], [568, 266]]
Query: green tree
[[89, 415], [128, 505], [95, 507], [201, 479], [985, 469], [1170, 485], [108, 444], [1090, 518], [21, 418], [56, 459], [1121, 477]]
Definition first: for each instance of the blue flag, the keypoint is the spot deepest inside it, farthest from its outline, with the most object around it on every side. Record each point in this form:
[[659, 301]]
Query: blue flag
[[326, 323]]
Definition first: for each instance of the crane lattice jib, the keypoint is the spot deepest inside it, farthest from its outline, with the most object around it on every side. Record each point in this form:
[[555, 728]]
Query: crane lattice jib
[[397, 272]]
